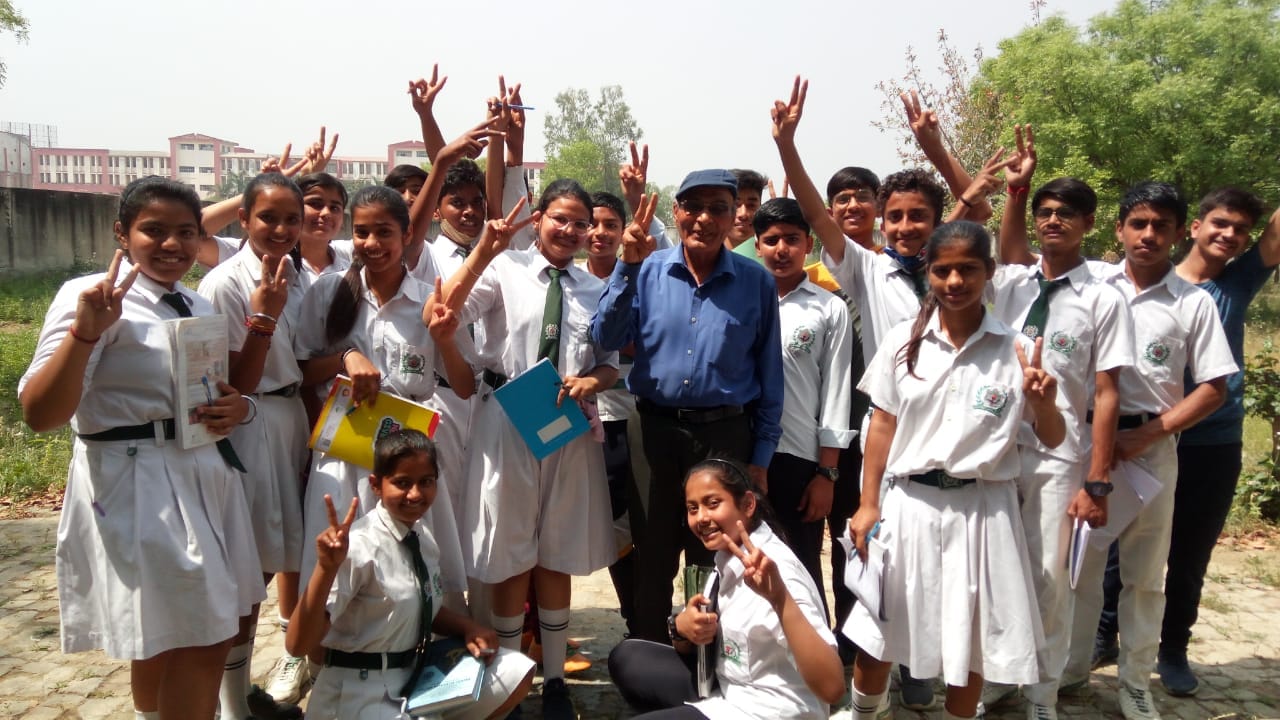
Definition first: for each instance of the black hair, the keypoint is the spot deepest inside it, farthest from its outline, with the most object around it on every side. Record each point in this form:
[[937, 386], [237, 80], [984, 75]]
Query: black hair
[[325, 181], [1233, 198], [779, 210], [972, 236], [460, 174], [851, 178], [400, 176], [346, 300], [1075, 194], [1159, 196], [153, 188], [749, 180], [565, 188], [611, 201], [733, 477], [917, 181], [255, 187], [395, 446]]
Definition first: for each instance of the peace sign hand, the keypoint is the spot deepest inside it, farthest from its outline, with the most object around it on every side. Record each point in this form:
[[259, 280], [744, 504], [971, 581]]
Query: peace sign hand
[[514, 107], [497, 234], [760, 573], [773, 194], [423, 92], [317, 158], [1022, 165], [1039, 386], [100, 306], [635, 177], [470, 143], [923, 123], [637, 243], [273, 288], [986, 181], [443, 322], [786, 115], [333, 542]]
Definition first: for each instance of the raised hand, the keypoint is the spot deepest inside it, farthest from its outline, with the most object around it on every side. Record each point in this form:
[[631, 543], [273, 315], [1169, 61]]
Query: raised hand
[[100, 306], [513, 104], [444, 322], [759, 572], [635, 177], [497, 234], [317, 157], [1039, 386], [696, 624], [273, 288], [987, 181], [281, 164], [333, 542], [423, 92], [786, 115], [773, 194], [923, 123], [1022, 165], [222, 416], [469, 144], [637, 243]]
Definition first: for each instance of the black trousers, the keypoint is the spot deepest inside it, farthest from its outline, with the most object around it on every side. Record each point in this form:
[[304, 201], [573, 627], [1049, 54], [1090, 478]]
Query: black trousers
[[843, 506], [672, 448], [789, 477], [622, 490], [654, 678]]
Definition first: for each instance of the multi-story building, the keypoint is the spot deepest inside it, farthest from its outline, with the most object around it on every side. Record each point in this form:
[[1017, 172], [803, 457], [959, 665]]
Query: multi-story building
[[15, 161]]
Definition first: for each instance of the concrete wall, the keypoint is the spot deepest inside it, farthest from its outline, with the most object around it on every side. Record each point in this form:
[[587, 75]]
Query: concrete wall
[[51, 229]]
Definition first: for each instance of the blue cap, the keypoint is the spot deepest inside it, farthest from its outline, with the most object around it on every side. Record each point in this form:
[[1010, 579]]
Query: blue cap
[[709, 178]]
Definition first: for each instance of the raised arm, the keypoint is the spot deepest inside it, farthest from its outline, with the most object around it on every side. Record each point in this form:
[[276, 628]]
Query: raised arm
[[786, 117], [1269, 243], [1015, 246], [224, 212], [613, 326], [310, 621], [924, 125], [494, 240], [975, 196], [469, 144], [423, 96]]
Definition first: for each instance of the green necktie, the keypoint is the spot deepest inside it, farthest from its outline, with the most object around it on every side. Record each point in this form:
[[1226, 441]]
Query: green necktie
[[1038, 315], [423, 576], [917, 281], [549, 344], [228, 453]]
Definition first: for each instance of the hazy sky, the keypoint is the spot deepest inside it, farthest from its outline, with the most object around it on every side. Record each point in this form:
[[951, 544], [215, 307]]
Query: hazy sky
[[700, 77]]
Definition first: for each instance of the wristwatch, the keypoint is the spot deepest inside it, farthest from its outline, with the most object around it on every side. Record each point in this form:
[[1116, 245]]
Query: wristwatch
[[1098, 488], [830, 473], [672, 632]]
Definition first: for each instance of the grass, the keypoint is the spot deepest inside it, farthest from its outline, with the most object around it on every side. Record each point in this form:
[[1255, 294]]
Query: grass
[[1215, 603], [1264, 569]]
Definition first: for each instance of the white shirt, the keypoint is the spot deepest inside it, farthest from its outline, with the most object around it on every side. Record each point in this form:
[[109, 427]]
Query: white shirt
[[757, 671], [374, 604], [817, 350], [882, 290], [128, 380], [391, 336], [1088, 332], [226, 248], [1176, 328], [962, 410], [448, 256], [508, 301], [341, 252], [228, 288]]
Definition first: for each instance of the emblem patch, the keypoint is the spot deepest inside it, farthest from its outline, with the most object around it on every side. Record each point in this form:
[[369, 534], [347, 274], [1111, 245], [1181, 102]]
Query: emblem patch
[[991, 399], [1063, 343], [412, 364], [730, 651], [551, 332], [801, 340], [386, 427], [1031, 331], [1157, 353]]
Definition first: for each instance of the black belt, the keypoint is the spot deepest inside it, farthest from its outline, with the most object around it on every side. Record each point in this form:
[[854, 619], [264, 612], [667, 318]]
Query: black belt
[[288, 391], [941, 480], [697, 416], [145, 431], [369, 660], [494, 380], [441, 382], [1128, 422]]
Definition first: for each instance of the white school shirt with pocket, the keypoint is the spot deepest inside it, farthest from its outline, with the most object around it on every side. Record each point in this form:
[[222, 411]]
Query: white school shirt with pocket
[[884, 294], [817, 348]]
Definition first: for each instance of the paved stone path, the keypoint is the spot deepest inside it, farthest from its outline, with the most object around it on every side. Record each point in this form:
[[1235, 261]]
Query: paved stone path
[[1236, 649]]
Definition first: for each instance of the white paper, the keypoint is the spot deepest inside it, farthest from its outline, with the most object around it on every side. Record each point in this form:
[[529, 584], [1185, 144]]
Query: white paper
[[199, 364], [1134, 489], [866, 580]]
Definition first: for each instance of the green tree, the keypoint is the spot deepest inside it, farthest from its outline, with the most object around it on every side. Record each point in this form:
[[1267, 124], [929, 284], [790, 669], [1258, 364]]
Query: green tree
[[588, 140], [586, 161], [11, 20]]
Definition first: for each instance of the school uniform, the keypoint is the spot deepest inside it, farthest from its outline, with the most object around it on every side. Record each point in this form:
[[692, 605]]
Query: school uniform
[[340, 253], [552, 513], [958, 591], [154, 545], [394, 339], [226, 248], [1176, 330], [1087, 331], [375, 606], [274, 445]]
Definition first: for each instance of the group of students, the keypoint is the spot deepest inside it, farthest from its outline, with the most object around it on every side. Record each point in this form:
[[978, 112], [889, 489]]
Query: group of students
[[1001, 397]]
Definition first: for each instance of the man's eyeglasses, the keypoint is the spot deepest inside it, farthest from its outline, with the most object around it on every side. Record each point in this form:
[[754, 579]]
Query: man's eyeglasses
[[864, 197], [1064, 213], [697, 207], [564, 224]]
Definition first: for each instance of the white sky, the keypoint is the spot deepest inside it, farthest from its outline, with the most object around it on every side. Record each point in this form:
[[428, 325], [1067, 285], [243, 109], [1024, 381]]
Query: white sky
[[700, 77]]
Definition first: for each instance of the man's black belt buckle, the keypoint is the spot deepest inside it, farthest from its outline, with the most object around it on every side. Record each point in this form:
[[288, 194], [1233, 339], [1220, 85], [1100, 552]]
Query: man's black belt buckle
[[369, 660], [942, 480]]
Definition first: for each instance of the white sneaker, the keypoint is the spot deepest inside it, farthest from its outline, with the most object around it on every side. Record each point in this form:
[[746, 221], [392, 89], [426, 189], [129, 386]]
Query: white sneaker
[[1041, 712], [995, 695], [1137, 704], [289, 679]]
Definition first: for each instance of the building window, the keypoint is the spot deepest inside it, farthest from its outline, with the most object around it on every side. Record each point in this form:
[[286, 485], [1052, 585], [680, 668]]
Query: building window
[[186, 146], [206, 188], [186, 168], [206, 169], [206, 146]]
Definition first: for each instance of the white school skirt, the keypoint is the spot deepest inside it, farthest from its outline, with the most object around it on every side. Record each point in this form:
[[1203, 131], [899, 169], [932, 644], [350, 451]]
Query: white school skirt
[[958, 593], [155, 550], [343, 481], [451, 445], [524, 513], [274, 450]]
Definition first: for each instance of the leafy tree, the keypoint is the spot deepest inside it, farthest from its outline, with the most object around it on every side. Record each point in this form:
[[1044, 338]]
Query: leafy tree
[[11, 20], [588, 140], [233, 184], [586, 161]]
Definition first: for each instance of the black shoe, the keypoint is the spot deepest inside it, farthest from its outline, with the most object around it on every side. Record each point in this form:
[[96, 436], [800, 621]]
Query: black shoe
[[1176, 675], [265, 707], [1104, 653], [556, 702]]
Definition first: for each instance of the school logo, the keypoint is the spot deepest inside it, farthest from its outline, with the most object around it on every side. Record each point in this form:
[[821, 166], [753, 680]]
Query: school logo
[[1031, 331], [1157, 353], [801, 340], [412, 364], [552, 331], [437, 586], [991, 399], [1063, 343], [731, 652]]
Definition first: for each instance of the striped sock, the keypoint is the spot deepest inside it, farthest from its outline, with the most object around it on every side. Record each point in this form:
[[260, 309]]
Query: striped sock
[[865, 707], [509, 630], [233, 693], [555, 636]]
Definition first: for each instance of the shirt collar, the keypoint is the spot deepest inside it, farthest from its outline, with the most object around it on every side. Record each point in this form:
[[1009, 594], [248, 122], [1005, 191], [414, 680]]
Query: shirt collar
[[152, 290], [397, 529], [1169, 282], [1077, 277], [989, 326], [724, 262], [410, 288], [805, 286]]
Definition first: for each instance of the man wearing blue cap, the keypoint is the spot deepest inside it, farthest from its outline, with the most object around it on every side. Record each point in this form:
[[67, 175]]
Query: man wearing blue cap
[[707, 372]]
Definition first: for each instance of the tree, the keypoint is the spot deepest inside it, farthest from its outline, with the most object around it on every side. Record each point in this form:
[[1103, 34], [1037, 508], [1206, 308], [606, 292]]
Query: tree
[[233, 184], [588, 141], [11, 21]]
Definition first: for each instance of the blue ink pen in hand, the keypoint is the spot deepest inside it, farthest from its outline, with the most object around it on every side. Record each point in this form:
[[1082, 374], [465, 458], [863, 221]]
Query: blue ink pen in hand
[[208, 394]]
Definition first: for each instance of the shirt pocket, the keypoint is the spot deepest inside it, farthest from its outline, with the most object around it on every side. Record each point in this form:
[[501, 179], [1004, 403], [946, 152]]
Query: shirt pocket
[[577, 352], [410, 367], [729, 348], [990, 401], [1157, 356]]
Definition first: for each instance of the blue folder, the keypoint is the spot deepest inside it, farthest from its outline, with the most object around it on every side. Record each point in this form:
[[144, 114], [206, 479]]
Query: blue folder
[[530, 403]]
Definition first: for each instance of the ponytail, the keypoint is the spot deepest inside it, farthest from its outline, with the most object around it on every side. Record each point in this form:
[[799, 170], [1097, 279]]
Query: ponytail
[[342, 309], [910, 352]]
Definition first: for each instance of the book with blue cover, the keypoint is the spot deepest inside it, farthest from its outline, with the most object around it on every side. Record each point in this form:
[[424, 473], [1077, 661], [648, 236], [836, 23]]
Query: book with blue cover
[[530, 403], [452, 677]]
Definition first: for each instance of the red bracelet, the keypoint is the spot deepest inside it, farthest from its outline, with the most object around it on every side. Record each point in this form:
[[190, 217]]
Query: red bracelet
[[72, 331], [1018, 190]]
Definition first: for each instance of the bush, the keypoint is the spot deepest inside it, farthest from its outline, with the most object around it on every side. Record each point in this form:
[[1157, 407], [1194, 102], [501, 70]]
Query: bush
[[1259, 491]]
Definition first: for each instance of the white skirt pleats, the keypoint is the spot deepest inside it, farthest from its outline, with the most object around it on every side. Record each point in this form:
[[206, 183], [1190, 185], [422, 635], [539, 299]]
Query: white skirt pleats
[[274, 450]]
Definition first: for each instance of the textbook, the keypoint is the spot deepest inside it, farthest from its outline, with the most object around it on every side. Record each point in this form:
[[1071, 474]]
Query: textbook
[[705, 580], [866, 579], [348, 432], [199, 364], [530, 403], [452, 677], [1134, 489]]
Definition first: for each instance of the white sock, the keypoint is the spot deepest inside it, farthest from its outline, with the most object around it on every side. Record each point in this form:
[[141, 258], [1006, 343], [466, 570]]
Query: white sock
[[865, 706], [478, 600], [554, 625], [283, 622], [140, 715], [233, 694], [509, 630]]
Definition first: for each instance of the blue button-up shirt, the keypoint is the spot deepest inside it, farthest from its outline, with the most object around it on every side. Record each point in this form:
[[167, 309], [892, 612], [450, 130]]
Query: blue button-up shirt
[[699, 345]]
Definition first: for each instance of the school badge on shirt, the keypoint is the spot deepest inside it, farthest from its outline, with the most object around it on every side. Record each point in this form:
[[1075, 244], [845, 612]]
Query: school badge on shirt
[[801, 340], [1157, 353], [551, 332], [731, 652], [991, 399], [1063, 342], [412, 364]]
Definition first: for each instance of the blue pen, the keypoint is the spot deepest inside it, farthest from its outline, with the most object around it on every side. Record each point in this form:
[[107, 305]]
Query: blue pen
[[874, 529], [207, 393], [522, 107]]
